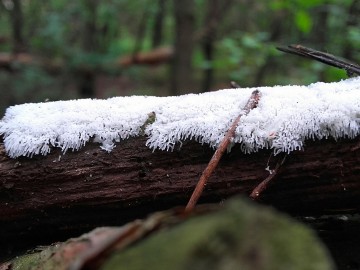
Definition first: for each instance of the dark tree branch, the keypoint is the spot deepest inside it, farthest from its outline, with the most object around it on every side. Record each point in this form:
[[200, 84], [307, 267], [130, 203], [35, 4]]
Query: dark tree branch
[[326, 58]]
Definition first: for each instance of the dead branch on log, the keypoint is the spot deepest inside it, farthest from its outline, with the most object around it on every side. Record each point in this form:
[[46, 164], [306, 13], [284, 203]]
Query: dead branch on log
[[251, 104], [326, 58], [234, 85], [259, 189]]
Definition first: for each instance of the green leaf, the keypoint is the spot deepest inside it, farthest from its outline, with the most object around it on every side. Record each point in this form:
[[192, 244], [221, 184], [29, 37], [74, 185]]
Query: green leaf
[[303, 21]]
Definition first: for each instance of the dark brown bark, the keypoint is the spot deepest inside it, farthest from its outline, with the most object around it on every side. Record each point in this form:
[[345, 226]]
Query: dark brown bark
[[182, 71], [51, 198]]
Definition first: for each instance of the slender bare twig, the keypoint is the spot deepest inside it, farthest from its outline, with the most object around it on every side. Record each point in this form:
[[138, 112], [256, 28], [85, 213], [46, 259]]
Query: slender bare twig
[[265, 183], [251, 104]]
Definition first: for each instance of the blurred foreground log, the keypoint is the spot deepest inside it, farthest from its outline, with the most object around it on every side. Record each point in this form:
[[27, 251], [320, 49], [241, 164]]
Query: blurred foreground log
[[48, 198], [234, 236]]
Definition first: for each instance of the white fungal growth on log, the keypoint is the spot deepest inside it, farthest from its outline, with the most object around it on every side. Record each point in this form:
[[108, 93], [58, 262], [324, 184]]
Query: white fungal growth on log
[[285, 117]]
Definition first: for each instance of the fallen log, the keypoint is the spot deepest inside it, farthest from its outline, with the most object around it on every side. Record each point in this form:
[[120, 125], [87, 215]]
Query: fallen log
[[48, 198], [158, 56], [211, 237]]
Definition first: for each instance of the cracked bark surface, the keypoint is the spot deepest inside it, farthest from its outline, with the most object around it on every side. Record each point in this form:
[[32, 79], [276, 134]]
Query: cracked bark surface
[[50, 198]]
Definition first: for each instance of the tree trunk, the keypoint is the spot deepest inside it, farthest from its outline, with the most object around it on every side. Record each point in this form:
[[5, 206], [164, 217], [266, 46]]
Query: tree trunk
[[86, 80], [50, 198], [352, 21], [182, 72], [276, 29], [216, 10], [157, 35], [16, 18], [211, 21]]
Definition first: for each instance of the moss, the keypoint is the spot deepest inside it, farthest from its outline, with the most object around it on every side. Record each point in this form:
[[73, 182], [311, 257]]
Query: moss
[[31, 260], [42, 259], [27, 261]]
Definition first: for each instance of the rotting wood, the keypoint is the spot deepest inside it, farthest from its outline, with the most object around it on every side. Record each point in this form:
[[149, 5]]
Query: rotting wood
[[251, 104], [50, 198]]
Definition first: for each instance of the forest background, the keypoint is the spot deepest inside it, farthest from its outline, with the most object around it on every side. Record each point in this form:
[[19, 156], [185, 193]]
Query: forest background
[[59, 49]]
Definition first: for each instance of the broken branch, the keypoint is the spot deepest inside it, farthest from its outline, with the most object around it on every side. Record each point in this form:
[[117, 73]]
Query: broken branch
[[260, 188], [326, 58], [234, 85], [251, 104]]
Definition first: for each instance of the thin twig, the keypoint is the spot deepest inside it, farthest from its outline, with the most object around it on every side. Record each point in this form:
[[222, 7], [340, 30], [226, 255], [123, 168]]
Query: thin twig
[[260, 188], [251, 104]]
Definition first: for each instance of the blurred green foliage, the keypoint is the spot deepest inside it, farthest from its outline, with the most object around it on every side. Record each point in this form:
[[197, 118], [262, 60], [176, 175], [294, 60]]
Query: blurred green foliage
[[93, 34]]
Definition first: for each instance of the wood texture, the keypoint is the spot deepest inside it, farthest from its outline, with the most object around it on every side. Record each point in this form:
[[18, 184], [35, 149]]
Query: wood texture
[[51, 198]]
